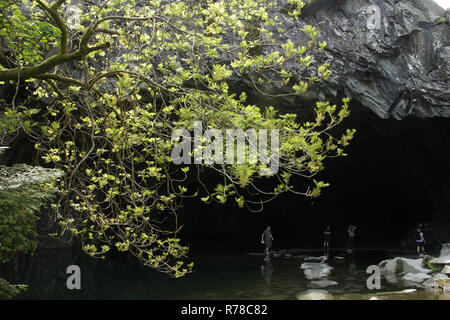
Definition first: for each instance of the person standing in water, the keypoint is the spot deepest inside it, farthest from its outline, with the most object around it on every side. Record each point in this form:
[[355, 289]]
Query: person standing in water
[[266, 238], [327, 237], [351, 237], [420, 241]]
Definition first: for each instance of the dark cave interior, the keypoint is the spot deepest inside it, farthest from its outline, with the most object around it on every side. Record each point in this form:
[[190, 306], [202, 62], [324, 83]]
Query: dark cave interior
[[396, 174]]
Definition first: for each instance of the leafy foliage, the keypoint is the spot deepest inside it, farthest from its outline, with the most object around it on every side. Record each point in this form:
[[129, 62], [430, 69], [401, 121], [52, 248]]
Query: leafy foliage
[[131, 73], [8, 291], [23, 190]]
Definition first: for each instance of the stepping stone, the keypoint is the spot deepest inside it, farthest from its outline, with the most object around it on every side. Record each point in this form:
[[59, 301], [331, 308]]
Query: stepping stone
[[314, 294], [322, 283]]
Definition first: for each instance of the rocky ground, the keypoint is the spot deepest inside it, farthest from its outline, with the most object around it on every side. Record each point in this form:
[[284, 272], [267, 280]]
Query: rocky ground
[[424, 273]]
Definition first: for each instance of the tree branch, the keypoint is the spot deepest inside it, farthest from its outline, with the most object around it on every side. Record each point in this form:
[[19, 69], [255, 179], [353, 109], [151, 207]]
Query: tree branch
[[57, 77], [53, 13], [35, 71]]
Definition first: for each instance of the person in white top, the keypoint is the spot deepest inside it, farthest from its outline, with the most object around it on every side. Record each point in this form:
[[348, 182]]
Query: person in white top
[[420, 242]]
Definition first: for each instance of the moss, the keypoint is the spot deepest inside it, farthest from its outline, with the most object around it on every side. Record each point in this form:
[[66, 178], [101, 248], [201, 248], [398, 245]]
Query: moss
[[399, 266], [435, 268]]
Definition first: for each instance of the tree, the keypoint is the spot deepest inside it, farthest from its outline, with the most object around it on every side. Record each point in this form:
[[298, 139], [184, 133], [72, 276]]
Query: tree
[[122, 76]]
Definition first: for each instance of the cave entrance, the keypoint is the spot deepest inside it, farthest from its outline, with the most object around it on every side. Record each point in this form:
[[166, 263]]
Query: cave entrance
[[393, 178]]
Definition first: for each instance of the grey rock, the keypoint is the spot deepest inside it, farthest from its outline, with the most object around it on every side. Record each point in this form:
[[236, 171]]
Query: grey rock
[[437, 282], [416, 277], [446, 269], [408, 266], [388, 266], [444, 257], [314, 294], [316, 270], [441, 260], [322, 283], [391, 278], [414, 266], [317, 259], [445, 249]]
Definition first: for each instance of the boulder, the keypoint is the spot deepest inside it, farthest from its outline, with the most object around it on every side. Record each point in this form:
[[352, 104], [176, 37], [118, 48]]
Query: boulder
[[433, 283], [446, 269], [443, 284], [416, 277], [444, 257], [439, 276], [314, 294], [308, 265], [389, 266], [391, 278], [426, 259], [441, 260], [445, 249], [414, 266], [426, 262], [322, 283], [316, 259], [399, 265], [316, 270]]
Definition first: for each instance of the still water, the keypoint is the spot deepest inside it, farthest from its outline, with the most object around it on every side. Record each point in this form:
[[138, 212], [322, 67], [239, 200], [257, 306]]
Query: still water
[[225, 276]]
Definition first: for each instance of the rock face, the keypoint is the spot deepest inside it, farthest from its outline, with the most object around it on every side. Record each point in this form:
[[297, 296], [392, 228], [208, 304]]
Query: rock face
[[314, 295], [392, 56]]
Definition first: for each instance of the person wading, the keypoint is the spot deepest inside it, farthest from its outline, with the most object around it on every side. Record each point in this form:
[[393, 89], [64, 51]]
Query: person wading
[[351, 237], [266, 239]]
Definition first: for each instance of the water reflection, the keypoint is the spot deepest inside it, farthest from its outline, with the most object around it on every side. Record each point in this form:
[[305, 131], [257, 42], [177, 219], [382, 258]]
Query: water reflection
[[351, 264], [267, 270], [227, 276]]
